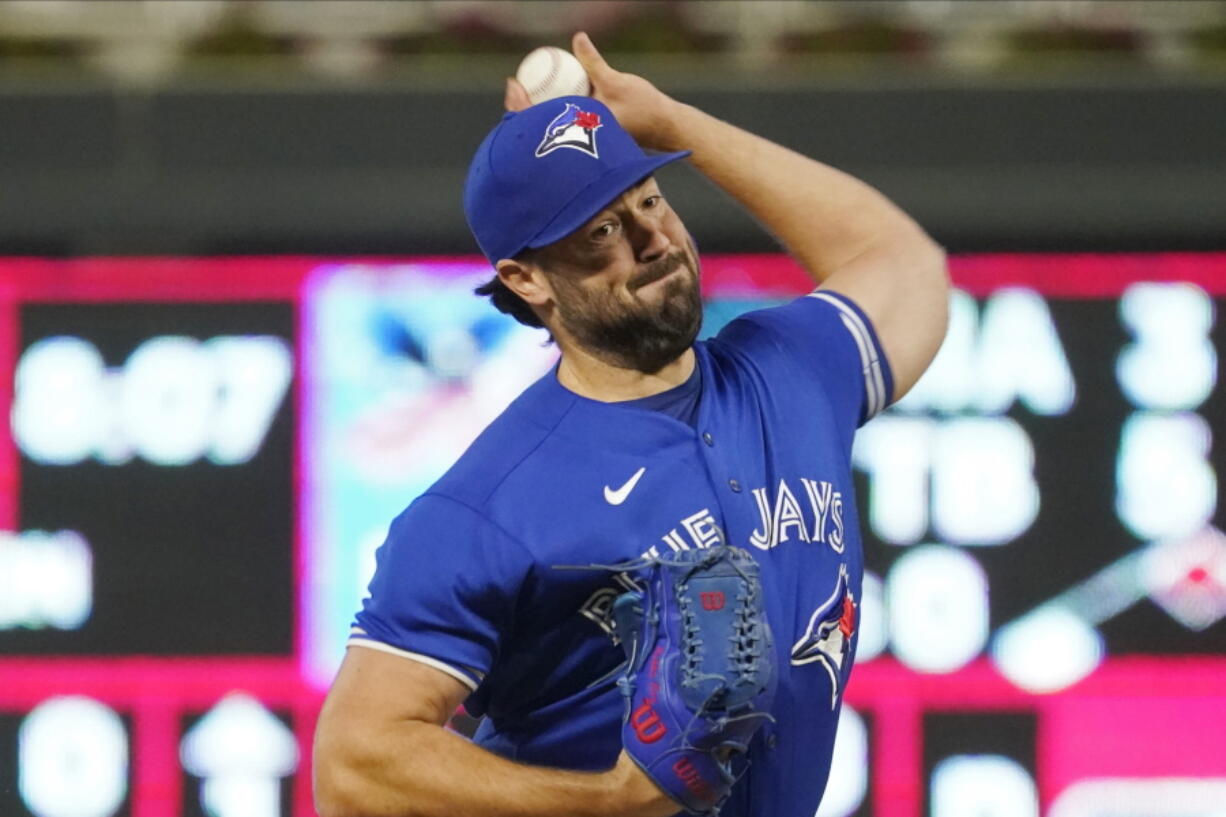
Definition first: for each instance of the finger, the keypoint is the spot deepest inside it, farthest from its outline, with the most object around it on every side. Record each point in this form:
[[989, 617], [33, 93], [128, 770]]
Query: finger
[[585, 51], [515, 98]]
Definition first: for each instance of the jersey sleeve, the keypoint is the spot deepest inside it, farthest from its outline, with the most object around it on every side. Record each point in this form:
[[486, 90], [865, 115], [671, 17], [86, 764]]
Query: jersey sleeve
[[827, 334], [444, 590]]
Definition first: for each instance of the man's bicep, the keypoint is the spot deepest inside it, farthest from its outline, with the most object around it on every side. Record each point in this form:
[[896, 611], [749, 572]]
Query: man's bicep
[[381, 706], [375, 687], [907, 301]]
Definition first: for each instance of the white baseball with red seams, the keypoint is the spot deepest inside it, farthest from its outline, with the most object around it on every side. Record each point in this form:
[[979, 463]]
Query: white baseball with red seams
[[548, 73]]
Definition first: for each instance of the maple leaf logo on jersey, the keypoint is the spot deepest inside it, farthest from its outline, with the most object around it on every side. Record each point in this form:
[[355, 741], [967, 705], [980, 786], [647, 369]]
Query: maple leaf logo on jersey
[[827, 639], [573, 128]]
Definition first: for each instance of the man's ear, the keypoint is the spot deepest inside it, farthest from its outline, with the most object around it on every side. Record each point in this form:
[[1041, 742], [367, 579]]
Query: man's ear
[[525, 280]]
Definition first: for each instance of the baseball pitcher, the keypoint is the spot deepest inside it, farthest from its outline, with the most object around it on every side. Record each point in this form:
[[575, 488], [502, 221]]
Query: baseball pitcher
[[645, 574]]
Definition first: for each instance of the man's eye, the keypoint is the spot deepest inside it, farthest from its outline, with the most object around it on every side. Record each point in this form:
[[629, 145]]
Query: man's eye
[[652, 201], [604, 230]]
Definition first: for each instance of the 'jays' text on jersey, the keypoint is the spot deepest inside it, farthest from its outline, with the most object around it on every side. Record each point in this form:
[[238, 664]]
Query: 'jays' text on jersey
[[467, 580]]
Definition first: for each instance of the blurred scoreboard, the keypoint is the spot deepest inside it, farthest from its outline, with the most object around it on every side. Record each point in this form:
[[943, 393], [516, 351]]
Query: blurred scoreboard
[[203, 454]]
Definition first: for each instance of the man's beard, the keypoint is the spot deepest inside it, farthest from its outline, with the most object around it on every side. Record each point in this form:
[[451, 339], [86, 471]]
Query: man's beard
[[635, 335]]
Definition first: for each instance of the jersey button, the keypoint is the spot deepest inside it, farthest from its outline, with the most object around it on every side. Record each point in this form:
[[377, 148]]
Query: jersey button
[[707, 438], [772, 742], [735, 486]]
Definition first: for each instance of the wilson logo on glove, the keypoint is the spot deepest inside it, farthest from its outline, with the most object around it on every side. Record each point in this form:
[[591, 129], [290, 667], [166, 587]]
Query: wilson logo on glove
[[646, 723], [700, 678], [693, 781]]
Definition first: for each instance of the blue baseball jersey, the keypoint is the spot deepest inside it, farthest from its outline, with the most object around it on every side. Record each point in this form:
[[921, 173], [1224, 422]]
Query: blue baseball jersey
[[468, 580]]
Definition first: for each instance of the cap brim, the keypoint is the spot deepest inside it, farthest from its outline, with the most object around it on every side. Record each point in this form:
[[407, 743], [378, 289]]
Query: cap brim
[[596, 196]]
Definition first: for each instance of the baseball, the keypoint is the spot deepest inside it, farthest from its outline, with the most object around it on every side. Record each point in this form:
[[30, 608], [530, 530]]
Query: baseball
[[550, 72]]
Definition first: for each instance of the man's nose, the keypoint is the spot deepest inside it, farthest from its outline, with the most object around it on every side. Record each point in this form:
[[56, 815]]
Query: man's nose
[[651, 242]]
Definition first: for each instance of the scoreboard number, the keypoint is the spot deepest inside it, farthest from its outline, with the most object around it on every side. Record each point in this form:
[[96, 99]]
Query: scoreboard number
[[983, 786], [72, 759], [175, 400], [46, 580], [1170, 325]]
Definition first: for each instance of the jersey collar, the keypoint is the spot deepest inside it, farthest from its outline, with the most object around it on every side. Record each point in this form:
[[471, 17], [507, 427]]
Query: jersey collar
[[622, 427]]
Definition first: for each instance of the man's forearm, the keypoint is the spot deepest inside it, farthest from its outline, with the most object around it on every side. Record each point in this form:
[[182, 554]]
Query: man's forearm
[[417, 769], [825, 217], [848, 236]]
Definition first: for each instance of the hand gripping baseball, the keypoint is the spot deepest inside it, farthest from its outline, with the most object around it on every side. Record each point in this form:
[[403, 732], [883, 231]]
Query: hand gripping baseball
[[641, 108], [701, 676]]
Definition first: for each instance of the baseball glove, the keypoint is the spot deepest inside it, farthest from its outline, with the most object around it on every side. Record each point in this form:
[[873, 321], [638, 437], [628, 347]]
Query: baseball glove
[[700, 678]]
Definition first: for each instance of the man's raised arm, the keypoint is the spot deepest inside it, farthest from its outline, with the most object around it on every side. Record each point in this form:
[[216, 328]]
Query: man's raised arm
[[850, 237]]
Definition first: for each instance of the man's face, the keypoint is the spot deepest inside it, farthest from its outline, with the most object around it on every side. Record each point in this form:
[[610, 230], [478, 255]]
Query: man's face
[[625, 284]]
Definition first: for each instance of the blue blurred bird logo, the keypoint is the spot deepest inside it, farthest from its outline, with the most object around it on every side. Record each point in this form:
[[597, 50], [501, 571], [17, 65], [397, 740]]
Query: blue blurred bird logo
[[573, 128], [827, 639]]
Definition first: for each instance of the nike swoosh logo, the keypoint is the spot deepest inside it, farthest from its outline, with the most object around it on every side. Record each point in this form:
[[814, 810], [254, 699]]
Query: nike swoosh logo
[[619, 496]]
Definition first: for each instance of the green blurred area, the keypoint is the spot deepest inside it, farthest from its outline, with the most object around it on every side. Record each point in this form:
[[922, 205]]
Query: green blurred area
[[373, 38]]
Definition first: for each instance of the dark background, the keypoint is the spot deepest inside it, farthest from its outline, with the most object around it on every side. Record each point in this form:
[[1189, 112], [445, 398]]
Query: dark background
[[1117, 163]]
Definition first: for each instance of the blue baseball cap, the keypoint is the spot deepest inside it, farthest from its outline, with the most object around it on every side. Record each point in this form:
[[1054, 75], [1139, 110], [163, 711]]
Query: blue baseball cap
[[546, 170]]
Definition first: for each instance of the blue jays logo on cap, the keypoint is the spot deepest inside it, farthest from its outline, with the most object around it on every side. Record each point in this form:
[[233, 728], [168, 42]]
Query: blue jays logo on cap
[[573, 128], [511, 200], [827, 639]]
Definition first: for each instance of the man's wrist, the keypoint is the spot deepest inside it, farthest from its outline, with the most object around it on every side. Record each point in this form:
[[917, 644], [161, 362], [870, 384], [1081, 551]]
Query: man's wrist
[[676, 126], [635, 794]]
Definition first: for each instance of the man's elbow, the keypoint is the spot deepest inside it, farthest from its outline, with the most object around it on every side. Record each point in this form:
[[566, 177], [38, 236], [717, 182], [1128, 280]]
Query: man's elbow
[[347, 780], [327, 806], [932, 260], [336, 794], [356, 780], [919, 275], [917, 267], [929, 283], [938, 270]]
